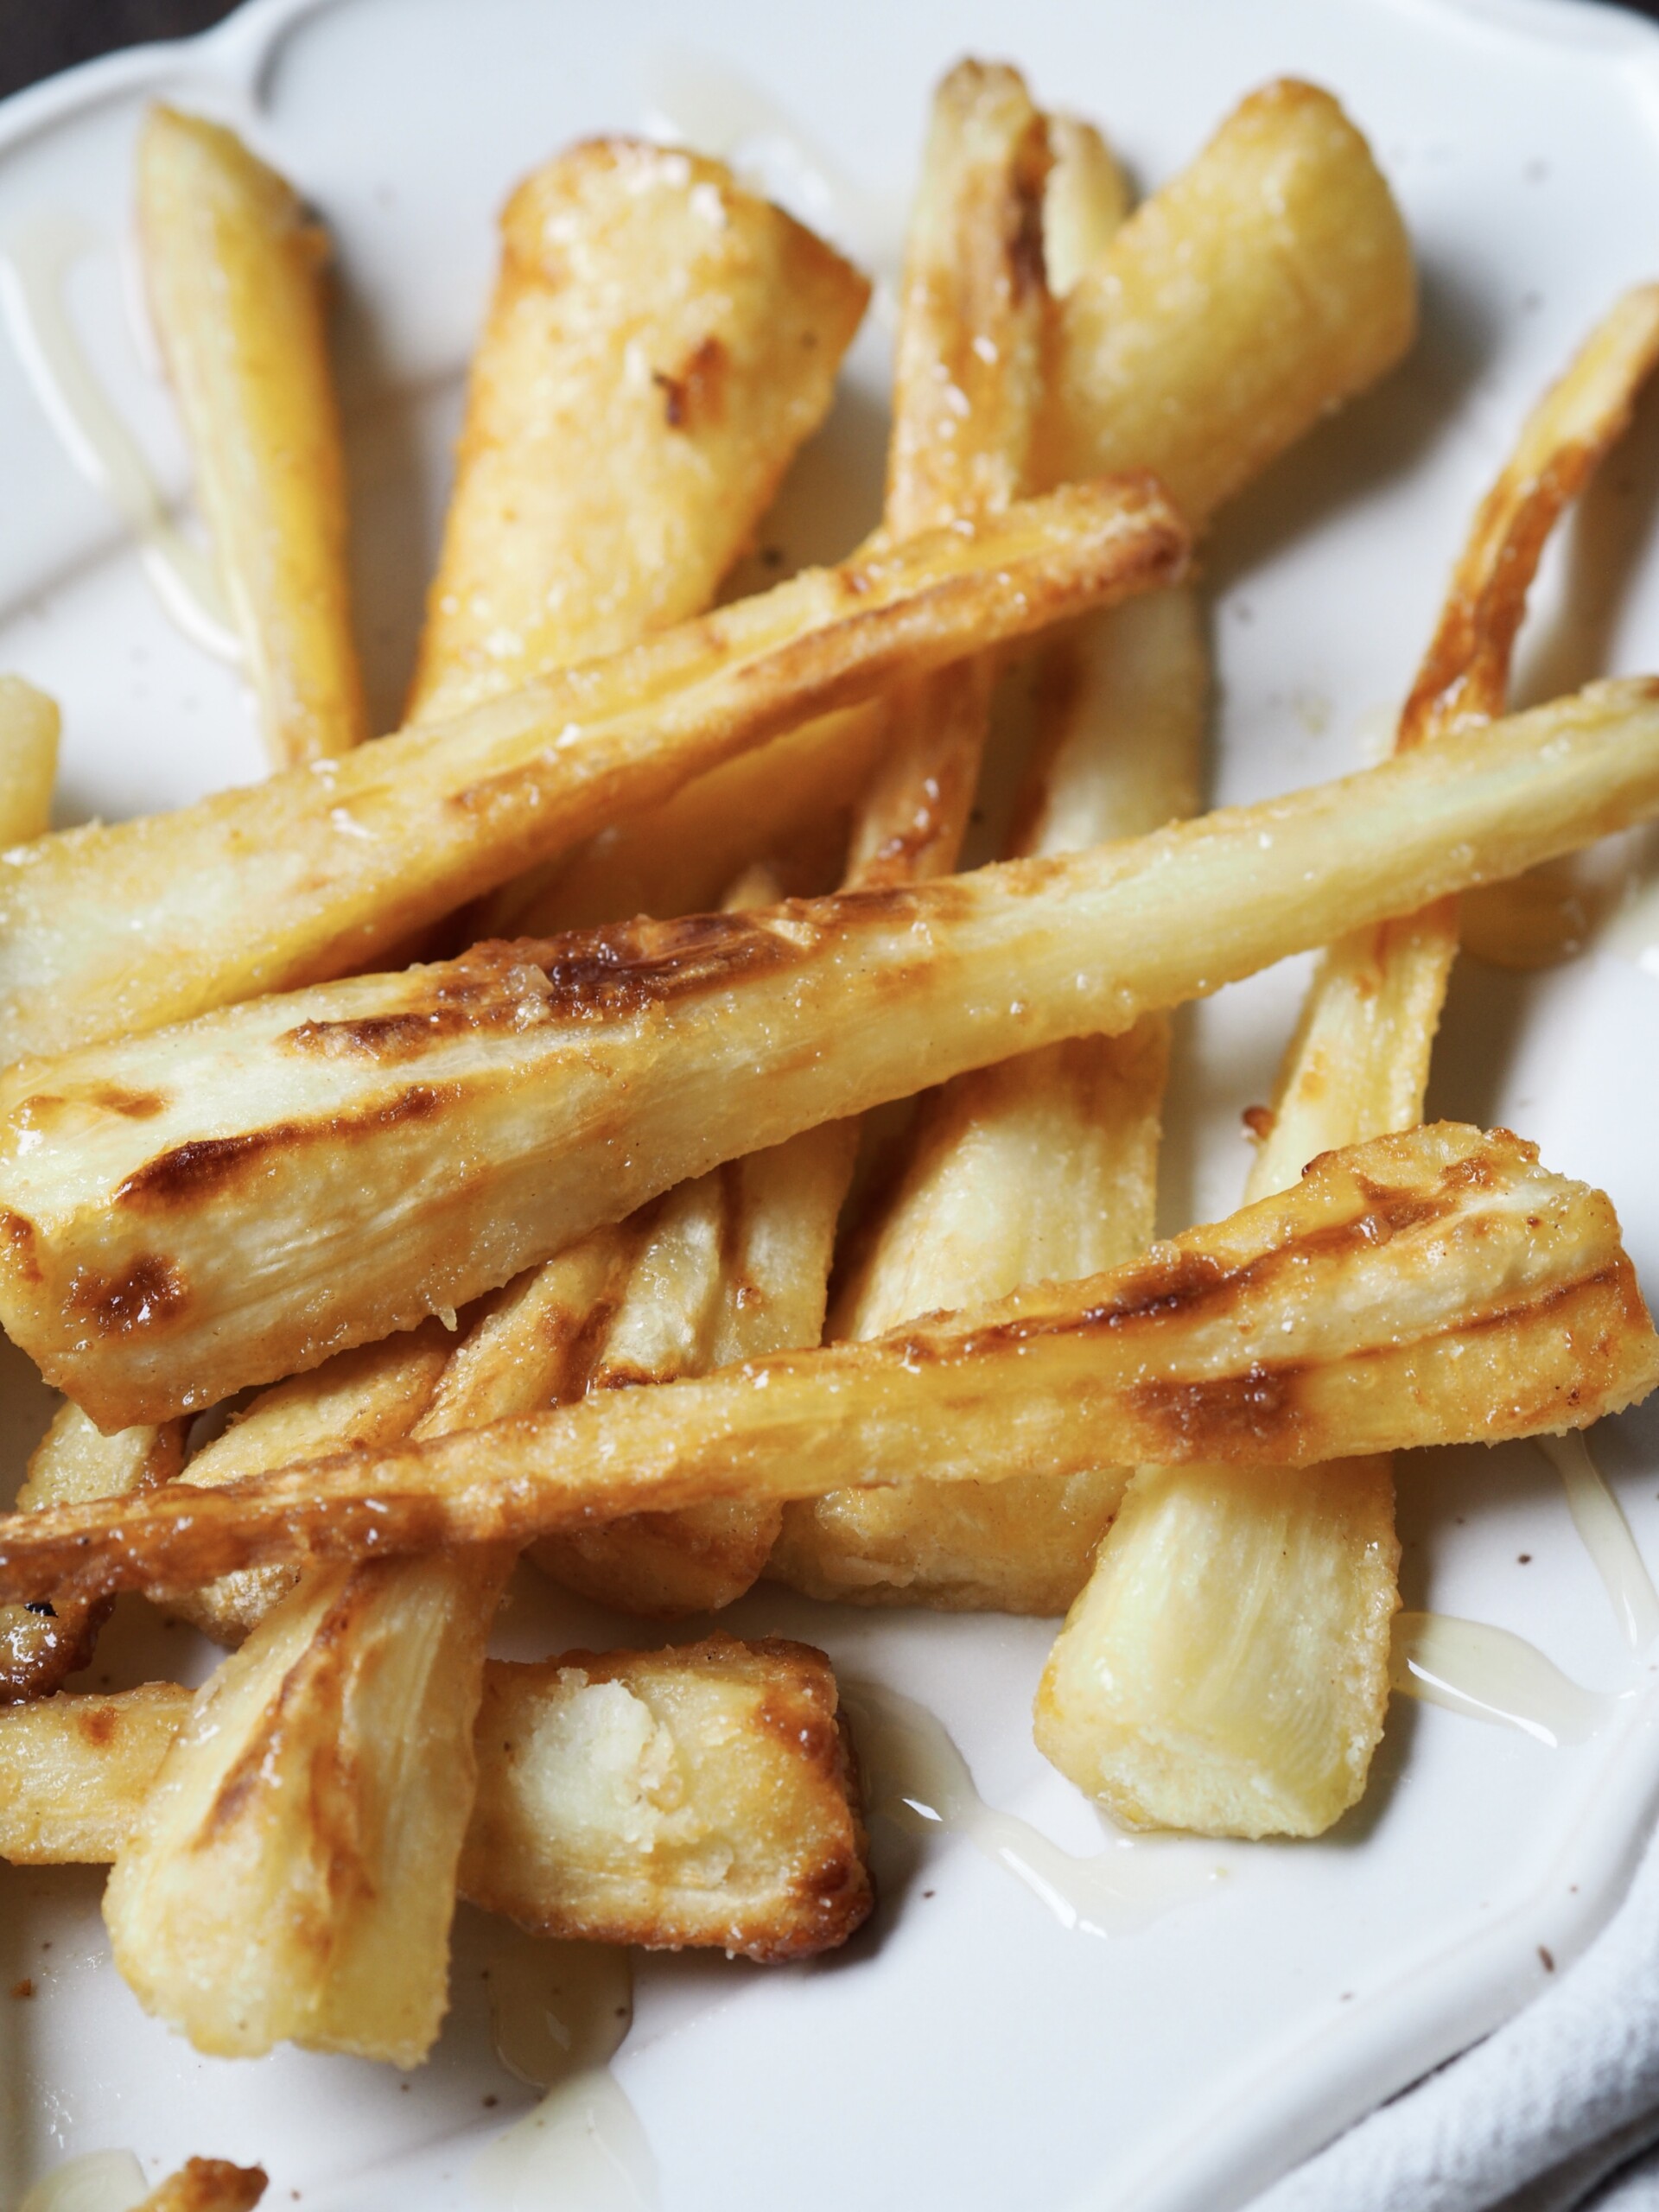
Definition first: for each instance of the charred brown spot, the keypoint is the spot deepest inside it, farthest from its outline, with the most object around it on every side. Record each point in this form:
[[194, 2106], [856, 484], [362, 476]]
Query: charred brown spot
[[19, 1238], [151, 1290], [43, 1642], [695, 393], [97, 1724], [1027, 270], [599, 974], [1260, 1121], [132, 1105], [1213, 1417], [205, 1165]]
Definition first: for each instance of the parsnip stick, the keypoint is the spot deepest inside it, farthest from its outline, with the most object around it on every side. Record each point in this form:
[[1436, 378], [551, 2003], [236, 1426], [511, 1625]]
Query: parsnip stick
[[587, 511], [41, 1645], [730, 1267], [700, 1795], [323, 867], [1227, 1668], [372, 1396], [1044, 1168], [967, 388], [330, 1166], [1085, 203], [234, 272], [1269, 282], [28, 760], [656, 330], [1434, 1288], [1041, 1169]]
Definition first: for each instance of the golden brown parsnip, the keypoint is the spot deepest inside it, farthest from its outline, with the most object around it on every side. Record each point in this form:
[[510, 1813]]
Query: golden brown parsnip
[[41, 1645], [1268, 283], [701, 1794], [1227, 1669], [655, 330], [1041, 1169], [450, 1126], [28, 760], [1438, 1287], [234, 270], [1044, 1168], [967, 387], [323, 867], [662, 1799]]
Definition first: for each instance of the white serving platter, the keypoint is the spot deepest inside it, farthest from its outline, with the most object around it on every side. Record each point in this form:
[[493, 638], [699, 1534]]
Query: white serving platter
[[968, 2048]]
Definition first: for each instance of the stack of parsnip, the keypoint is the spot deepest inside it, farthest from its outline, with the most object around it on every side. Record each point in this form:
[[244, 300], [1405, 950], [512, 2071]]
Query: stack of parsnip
[[532, 1246]]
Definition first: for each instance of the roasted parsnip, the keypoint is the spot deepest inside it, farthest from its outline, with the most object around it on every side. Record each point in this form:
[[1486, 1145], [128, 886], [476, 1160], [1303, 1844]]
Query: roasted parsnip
[[967, 388], [655, 331], [1227, 1668], [1262, 286], [28, 760], [310, 1171], [1434, 1288], [1043, 1169], [42, 1644], [1269, 281], [323, 867], [698, 1796], [234, 272]]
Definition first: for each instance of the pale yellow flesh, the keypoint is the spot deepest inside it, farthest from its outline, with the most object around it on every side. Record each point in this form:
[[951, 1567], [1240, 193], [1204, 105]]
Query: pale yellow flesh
[[1433, 1288], [234, 272], [108, 931], [1044, 1169], [1230, 318], [967, 388], [39, 1650], [30, 724], [1227, 1669], [655, 330], [699, 1796], [1041, 1169], [585, 514], [398, 1164], [1269, 281], [689, 1821]]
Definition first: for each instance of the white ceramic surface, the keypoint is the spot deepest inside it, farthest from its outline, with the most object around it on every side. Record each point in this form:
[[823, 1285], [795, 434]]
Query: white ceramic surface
[[968, 2049]]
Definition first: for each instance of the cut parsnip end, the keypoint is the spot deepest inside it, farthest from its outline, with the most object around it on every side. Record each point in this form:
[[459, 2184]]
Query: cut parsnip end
[[1255, 1716]]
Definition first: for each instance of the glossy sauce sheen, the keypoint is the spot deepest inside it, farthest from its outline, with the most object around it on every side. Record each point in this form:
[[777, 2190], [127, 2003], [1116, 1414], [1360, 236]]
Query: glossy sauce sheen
[[33, 275], [559, 2012], [1489, 1675], [102, 2181], [1599, 1520], [915, 1775]]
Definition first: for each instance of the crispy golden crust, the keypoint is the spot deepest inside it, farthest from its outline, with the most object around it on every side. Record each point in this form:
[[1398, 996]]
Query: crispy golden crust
[[456, 1123], [41, 1645], [257, 889], [235, 272], [1264, 285], [1432, 1288], [654, 331], [707, 1796]]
